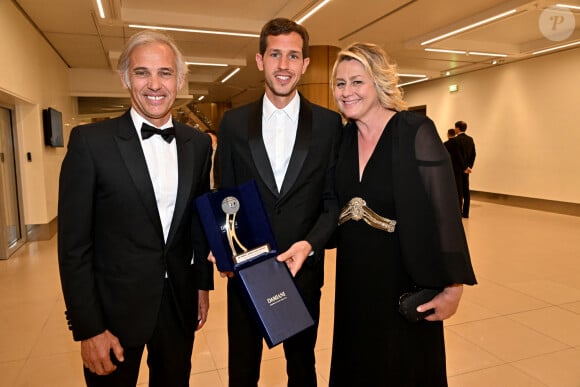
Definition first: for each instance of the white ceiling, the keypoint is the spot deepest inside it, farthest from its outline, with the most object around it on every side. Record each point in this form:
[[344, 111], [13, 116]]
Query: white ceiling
[[85, 41]]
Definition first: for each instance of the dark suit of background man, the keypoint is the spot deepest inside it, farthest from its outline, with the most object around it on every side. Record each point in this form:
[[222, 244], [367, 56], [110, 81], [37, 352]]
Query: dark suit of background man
[[288, 146], [466, 150], [452, 149], [132, 254]]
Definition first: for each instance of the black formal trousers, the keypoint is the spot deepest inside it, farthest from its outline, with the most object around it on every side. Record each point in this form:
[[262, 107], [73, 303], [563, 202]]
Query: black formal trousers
[[169, 340], [465, 199]]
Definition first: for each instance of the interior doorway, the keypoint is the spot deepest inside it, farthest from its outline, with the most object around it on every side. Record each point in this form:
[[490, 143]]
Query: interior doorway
[[12, 230]]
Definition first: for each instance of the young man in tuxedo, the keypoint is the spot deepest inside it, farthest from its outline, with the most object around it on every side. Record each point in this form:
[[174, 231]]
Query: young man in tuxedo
[[288, 145], [132, 253]]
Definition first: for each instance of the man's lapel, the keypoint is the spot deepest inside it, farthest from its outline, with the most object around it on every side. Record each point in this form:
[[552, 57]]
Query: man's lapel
[[185, 149], [132, 154]]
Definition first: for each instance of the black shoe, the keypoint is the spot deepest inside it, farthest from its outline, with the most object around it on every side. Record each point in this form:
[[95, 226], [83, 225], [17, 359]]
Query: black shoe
[[465, 216]]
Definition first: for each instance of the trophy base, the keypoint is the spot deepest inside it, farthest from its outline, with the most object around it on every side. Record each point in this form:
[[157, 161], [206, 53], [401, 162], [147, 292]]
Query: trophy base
[[251, 254]]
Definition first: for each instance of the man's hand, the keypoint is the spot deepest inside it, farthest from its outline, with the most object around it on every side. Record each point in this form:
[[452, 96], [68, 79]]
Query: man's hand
[[445, 303], [295, 256], [96, 353], [223, 274], [202, 307]]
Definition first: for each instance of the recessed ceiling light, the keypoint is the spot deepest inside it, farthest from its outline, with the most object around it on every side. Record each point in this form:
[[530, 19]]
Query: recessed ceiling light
[[101, 10], [568, 6], [486, 54], [413, 75], [230, 75], [312, 12], [206, 64], [411, 82], [479, 23], [446, 51], [556, 48], [228, 33]]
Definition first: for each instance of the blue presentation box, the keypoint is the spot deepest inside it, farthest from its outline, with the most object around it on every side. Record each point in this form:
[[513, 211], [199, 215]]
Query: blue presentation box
[[242, 242]]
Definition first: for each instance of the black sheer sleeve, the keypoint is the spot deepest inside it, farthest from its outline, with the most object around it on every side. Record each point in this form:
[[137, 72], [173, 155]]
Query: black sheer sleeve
[[432, 238]]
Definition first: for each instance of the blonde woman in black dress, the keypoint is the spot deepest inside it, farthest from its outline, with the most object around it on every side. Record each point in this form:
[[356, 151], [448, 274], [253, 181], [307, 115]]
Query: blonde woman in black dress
[[400, 229]]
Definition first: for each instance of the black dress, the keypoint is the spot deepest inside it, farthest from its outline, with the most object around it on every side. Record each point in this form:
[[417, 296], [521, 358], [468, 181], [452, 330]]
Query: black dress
[[373, 344]]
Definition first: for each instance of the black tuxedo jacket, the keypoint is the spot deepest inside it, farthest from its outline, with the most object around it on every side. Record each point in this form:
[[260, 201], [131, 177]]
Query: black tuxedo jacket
[[306, 207], [454, 154], [466, 149], [111, 250]]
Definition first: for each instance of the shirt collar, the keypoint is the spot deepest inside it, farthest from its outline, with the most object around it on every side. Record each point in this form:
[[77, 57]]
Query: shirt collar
[[291, 110]]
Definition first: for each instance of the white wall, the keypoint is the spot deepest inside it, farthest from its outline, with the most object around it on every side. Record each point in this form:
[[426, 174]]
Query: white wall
[[525, 120], [33, 77]]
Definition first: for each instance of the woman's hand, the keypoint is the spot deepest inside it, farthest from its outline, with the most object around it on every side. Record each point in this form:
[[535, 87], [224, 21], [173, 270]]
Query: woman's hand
[[445, 303]]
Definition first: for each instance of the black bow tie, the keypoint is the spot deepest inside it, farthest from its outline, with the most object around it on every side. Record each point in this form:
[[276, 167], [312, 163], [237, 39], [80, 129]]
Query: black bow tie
[[148, 131]]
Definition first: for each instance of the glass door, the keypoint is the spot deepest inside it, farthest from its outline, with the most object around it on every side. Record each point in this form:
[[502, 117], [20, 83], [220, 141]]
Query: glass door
[[11, 228]]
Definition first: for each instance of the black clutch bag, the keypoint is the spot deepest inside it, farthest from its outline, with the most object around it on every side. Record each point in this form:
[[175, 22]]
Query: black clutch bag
[[408, 303]]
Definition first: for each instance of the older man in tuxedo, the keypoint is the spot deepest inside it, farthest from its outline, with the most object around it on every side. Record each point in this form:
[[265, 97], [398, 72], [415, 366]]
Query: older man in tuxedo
[[132, 253]]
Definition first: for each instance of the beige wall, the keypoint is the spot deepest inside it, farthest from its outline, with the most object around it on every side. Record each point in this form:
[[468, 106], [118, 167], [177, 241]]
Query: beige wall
[[33, 77], [524, 118]]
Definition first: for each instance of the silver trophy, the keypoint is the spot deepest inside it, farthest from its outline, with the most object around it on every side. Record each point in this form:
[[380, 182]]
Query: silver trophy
[[231, 206]]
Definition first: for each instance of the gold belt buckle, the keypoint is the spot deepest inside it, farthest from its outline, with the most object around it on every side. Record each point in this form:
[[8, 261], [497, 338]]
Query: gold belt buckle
[[356, 209]]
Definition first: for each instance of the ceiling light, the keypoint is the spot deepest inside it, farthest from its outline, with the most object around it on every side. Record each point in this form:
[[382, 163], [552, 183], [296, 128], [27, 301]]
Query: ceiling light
[[556, 48], [568, 6], [206, 64], [413, 75], [466, 52], [479, 23], [200, 97], [446, 51], [230, 75], [195, 31], [410, 83], [486, 54], [101, 10], [312, 12]]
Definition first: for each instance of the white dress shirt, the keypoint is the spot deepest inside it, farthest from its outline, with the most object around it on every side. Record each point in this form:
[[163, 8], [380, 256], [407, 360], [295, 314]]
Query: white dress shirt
[[279, 128], [161, 158]]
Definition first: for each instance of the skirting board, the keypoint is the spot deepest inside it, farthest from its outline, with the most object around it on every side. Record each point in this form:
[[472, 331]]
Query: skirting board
[[42, 232], [565, 208]]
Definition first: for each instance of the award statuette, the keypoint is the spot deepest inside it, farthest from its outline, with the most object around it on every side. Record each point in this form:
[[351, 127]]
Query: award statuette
[[231, 206]]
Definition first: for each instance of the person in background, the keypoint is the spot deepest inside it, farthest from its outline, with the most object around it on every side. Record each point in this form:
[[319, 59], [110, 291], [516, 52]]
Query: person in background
[[131, 250], [466, 150], [455, 156], [450, 134], [212, 178], [288, 145], [399, 229]]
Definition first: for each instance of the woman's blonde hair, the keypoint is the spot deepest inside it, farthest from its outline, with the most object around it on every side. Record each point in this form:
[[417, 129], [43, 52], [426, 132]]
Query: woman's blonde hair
[[384, 74]]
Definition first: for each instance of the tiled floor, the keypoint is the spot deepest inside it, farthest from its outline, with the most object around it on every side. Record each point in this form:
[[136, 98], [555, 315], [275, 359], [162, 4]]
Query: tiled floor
[[519, 327]]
